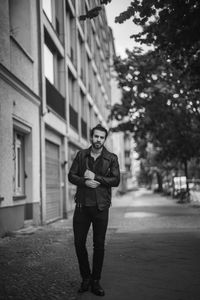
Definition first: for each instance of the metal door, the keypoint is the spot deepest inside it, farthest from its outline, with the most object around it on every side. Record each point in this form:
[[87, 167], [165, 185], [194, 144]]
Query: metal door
[[53, 189]]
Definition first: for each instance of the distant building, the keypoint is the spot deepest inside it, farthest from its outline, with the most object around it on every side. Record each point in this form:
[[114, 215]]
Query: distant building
[[121, 141], [55, 85]]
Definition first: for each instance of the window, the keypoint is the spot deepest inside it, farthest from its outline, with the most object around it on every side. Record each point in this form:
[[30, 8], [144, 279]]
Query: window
[[83, 116], [81, 11], [48, 64], [20, 23], [83, 106], [89, 32], [73, 101], [71, 36], [127, 154], [54, 11], [81, 57], [93, 42], [96, 118], [88, 73], [58, 19], [19, 163], [47, 7], [53, 64], [81, 7], [90, 116], [73, 2], [71, 86], [93, 119]]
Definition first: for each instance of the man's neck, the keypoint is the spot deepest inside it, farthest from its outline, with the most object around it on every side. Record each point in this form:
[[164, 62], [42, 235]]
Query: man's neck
[[96, 152]]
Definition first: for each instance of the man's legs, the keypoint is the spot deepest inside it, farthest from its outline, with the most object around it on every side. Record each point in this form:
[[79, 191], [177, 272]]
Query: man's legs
[[99, 224], [81, 225]]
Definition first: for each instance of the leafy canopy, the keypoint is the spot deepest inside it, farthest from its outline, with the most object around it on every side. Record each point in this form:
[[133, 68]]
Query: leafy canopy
[[173, 28], [159, 107]]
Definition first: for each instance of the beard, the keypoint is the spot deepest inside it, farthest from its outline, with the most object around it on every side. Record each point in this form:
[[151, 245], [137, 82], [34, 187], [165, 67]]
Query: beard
[[97, 145]]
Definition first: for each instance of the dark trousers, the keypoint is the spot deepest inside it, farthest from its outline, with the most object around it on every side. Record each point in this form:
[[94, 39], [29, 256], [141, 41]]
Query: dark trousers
[[83, 217]]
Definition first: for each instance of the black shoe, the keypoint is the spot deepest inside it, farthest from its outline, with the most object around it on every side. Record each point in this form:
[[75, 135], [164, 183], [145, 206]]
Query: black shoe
[[96, 288], [85, 285]]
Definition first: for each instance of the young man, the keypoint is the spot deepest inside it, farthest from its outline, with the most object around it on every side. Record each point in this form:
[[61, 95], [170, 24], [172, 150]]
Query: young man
[[94, 171]]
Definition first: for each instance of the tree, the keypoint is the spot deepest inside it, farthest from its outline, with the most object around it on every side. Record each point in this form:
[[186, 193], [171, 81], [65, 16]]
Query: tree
[[160, 108], [173, 28], [161, 88]]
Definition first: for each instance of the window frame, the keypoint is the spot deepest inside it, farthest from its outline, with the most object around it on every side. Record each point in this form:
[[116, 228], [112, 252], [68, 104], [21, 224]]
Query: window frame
[[52, 80], [18, 163], [49, 12]]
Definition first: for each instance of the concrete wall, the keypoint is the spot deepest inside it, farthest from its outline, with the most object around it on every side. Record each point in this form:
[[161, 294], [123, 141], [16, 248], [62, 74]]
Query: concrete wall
[[27, 111], [5, 144], [17, 108], [11, 218], [4, 36]]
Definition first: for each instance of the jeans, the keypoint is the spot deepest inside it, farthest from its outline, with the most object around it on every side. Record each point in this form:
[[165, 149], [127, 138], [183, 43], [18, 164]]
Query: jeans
[[83, 217]]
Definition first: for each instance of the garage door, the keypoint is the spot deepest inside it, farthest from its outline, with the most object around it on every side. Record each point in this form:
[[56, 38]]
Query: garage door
[[53, 191]]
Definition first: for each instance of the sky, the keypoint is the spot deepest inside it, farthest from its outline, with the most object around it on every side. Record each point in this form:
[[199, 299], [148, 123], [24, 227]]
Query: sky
[[121, 32]]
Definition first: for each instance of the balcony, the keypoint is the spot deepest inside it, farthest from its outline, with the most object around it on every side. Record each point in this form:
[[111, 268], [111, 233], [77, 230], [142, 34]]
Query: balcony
[[73, 118], [83, 129], [55, 100]]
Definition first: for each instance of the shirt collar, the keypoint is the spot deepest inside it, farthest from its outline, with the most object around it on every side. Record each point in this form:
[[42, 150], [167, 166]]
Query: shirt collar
[[104, 152]]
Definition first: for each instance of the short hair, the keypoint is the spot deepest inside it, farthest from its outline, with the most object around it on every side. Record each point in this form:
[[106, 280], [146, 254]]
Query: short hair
[[99, 127]]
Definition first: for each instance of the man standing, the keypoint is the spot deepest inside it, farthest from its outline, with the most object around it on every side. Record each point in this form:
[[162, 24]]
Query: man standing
[[94, 171]]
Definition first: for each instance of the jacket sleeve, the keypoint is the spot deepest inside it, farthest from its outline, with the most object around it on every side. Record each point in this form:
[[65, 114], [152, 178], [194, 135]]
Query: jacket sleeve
[[73, 175], [113, 178]]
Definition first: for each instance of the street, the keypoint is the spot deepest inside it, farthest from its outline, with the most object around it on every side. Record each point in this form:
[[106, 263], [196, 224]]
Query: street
[[152, 252]]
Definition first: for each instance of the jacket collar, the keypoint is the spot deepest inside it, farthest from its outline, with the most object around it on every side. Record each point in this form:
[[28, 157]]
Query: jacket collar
[[104, 153]]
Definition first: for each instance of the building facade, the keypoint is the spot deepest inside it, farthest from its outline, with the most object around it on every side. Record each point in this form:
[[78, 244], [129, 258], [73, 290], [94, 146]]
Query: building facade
[[19, 114], [54, 86], [122, 142]]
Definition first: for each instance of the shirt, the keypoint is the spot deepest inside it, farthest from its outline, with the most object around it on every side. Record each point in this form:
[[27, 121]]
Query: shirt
[[94, 166]]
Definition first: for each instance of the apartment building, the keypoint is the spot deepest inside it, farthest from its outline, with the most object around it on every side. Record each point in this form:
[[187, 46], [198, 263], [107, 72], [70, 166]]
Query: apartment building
[[54, 86], [122, 142], [20, 101]]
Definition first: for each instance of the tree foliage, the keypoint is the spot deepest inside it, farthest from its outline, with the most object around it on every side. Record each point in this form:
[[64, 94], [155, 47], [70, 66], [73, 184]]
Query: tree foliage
[[161, 109], [161, 88], [173, 28]]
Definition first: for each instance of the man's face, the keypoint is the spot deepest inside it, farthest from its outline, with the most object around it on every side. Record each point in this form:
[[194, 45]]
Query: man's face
[[98, 139]]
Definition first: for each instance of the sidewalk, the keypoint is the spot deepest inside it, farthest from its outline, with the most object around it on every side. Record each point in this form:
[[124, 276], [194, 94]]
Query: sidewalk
[[152, 252]]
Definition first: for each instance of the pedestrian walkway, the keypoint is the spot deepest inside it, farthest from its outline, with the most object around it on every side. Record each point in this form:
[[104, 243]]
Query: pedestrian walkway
[[153, 251]]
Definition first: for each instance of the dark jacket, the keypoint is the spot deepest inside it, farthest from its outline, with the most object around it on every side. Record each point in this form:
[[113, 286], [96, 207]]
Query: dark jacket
[[108, 176]]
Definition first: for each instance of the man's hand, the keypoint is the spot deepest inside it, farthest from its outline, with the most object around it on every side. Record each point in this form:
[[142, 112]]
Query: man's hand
[[92, 183], [89, 174]]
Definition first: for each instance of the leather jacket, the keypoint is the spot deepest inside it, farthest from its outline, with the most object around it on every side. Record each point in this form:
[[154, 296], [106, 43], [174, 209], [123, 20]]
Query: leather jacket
[[108, 176]]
